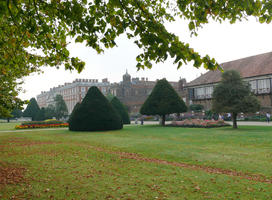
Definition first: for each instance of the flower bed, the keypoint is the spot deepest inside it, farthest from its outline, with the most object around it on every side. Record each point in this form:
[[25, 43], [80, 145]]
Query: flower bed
[[41, 125], [199, 123], [42, 122]]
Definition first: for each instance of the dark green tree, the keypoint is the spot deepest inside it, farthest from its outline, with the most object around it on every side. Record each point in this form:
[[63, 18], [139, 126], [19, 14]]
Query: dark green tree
[[17, 113], [60, 107], [72, 126], [31, 24], [95, 113], [121, 109], [163, 100], [232, 95], [49, 112], [32, 110], [41, 115], [110, 97]]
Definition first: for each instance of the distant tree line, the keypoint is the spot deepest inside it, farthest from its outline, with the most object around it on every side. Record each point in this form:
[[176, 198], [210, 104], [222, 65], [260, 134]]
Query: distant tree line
[[57, 110]]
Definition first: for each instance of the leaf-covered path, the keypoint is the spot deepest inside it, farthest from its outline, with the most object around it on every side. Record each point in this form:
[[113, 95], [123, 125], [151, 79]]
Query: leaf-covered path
[[208, 169]]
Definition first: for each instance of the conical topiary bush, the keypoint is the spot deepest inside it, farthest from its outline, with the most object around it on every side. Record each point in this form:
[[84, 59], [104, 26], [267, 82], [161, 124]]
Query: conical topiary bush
[[95, 113], [163, 100], [120, 108], [72, 116], [32, 110]]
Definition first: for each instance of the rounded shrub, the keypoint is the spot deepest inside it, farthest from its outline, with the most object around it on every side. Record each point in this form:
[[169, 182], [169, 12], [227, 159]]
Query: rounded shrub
[[120, 108], [95, 113]]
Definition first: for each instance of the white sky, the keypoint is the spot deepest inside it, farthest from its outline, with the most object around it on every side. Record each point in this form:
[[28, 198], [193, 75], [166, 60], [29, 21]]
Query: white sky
[[224, 42]]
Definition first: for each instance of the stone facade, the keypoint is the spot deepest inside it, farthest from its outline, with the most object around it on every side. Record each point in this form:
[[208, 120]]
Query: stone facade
[[134, 91]]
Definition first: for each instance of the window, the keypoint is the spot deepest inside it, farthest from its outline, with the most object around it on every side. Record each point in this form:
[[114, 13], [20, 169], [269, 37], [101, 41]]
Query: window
[[253, 86], [264, 86], [82, 89], [191, 93], [200, 93], [203, 93], [209, 91]]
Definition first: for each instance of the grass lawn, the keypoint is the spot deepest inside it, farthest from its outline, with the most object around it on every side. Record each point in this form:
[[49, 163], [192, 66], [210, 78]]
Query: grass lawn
[[8, 126], [138, 162]]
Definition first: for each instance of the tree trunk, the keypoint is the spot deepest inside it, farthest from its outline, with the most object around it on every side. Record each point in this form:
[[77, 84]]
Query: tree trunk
[[8, 120], [234, 120], [163, 120]]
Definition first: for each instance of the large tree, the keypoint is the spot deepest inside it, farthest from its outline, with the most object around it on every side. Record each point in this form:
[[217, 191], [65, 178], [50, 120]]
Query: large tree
[[232, 95], [9, 91], [163, 100], [35, 33], [60, 107], [32, 110]]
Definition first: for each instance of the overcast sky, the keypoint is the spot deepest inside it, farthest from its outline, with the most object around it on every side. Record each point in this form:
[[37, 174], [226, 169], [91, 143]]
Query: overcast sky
[[224, 42]]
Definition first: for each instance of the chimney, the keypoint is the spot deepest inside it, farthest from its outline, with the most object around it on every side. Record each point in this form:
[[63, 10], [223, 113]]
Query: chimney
[[105, 80]]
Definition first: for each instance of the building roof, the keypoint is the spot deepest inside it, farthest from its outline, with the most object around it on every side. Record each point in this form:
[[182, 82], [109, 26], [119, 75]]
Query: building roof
[[252, 66]]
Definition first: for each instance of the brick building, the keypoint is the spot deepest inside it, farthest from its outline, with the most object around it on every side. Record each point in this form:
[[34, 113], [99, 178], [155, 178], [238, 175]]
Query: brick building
[[131, 91], [72, 92], [134, 91], [256, 70]]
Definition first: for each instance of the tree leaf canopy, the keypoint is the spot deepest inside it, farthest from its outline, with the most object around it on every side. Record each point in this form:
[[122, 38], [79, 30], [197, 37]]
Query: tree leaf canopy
[[232, 95], [36, 33]]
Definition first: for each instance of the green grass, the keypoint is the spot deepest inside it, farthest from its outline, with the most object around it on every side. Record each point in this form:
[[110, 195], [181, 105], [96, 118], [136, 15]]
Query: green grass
[[8, 126], [82, 165]]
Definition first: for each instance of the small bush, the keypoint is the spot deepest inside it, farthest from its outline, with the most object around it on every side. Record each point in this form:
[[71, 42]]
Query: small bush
[[50, 120], [256, 118], [196, 107]]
